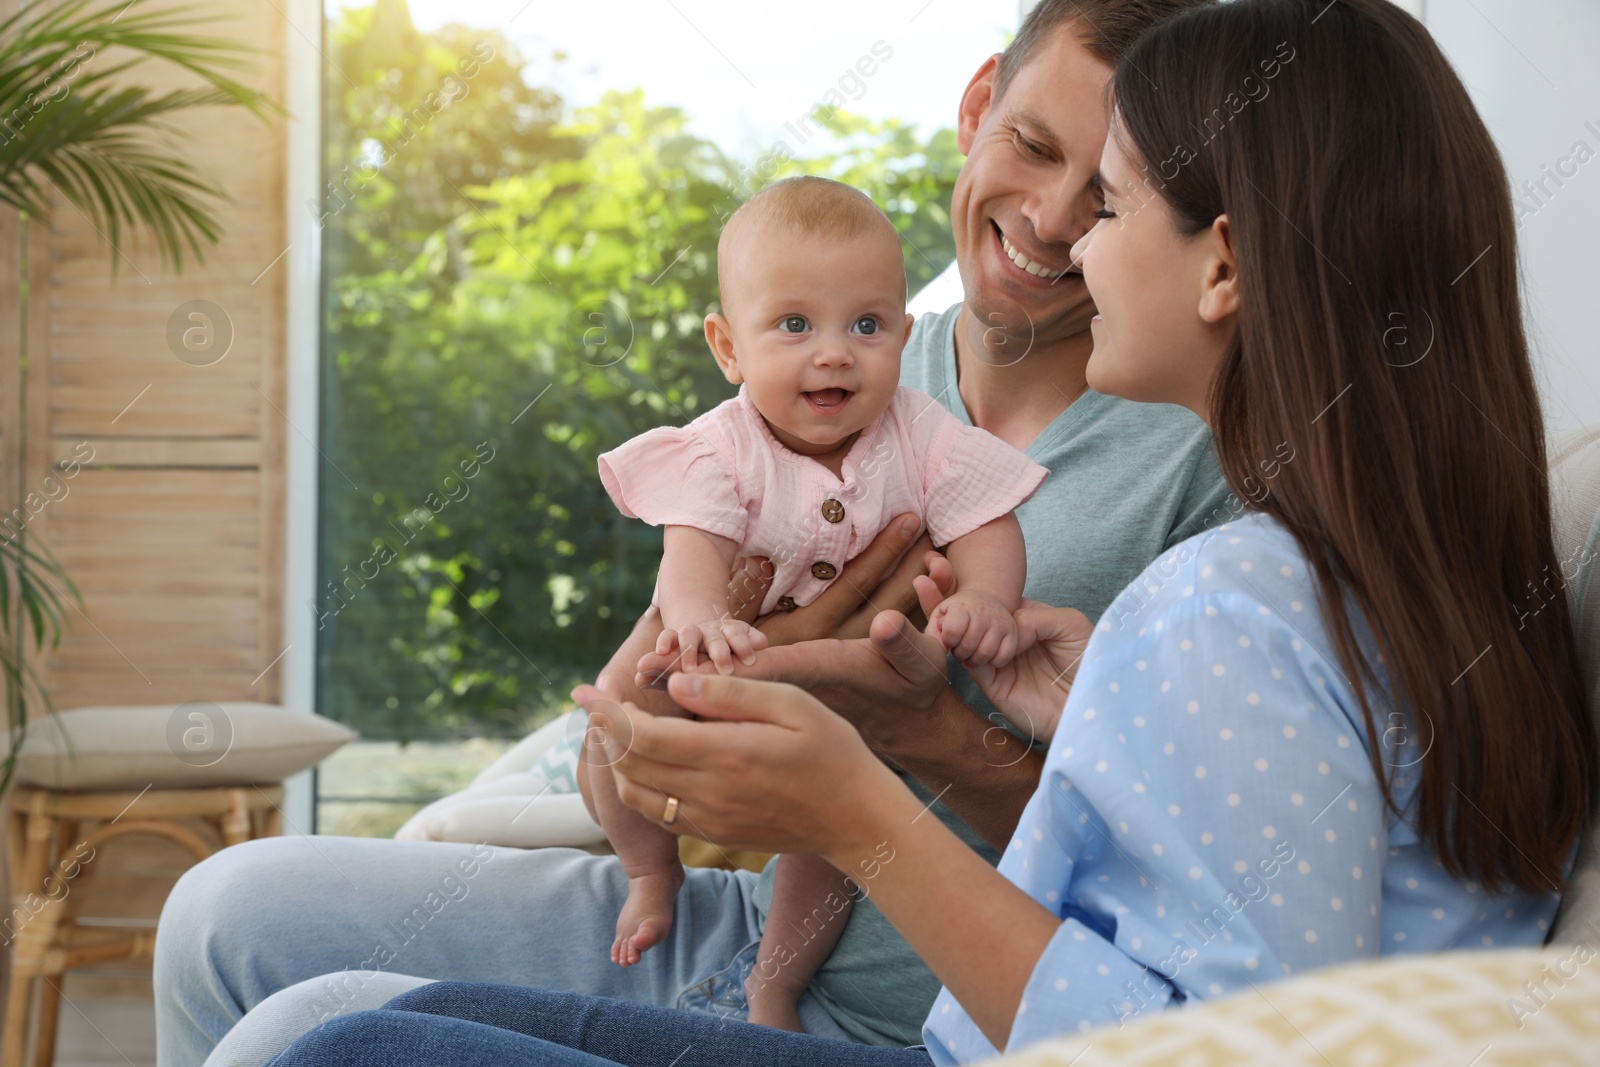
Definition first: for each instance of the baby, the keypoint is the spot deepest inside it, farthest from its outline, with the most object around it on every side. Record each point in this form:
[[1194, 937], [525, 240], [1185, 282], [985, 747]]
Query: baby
[[817, 453]]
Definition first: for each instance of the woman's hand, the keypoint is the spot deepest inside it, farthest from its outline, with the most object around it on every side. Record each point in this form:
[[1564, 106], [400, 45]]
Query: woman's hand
[[890, 687], [768, 768], [1032, 688]]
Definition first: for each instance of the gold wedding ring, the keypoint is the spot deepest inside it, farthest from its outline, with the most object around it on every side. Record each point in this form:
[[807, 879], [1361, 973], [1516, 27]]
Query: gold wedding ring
[[670, 816]]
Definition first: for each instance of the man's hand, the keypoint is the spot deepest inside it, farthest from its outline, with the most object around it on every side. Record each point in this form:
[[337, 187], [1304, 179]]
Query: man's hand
[[892, 688], [891, 685], [887, 685], [879, 579]]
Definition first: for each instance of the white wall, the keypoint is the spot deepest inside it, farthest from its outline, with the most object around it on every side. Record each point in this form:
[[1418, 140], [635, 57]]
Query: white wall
[[1531, 70]]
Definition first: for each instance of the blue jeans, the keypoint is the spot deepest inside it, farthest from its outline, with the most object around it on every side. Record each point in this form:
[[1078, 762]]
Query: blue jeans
[[298, 930], [467, 1024]]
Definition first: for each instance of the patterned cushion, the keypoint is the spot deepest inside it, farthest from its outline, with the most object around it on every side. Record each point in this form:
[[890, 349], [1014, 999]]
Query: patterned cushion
[[1510, 1008]]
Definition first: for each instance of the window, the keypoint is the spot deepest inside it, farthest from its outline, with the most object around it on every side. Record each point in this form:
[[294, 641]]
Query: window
[[519, 219]]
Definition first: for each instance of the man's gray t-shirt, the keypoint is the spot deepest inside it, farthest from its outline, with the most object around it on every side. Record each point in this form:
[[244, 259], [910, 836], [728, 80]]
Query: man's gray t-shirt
[[1127, 481]]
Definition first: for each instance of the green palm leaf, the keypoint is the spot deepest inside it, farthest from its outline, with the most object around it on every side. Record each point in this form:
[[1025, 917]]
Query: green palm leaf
[[27, 588], [66, 124]]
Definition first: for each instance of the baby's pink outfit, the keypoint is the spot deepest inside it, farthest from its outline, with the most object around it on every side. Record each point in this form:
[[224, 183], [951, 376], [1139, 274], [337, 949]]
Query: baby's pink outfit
[[726, 474]]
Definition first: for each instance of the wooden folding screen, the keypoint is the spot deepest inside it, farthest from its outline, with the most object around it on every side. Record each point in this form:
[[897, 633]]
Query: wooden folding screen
[[153, 407]]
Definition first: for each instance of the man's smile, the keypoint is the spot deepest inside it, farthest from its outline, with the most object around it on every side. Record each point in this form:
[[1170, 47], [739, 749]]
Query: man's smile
[[1028, 264]]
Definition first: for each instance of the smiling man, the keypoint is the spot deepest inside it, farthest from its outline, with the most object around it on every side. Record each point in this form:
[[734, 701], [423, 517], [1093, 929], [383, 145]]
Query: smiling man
[[294, 921]]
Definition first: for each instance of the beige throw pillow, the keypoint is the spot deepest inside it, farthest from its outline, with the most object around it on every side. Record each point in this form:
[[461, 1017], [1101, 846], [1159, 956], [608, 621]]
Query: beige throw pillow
[[166, 746]]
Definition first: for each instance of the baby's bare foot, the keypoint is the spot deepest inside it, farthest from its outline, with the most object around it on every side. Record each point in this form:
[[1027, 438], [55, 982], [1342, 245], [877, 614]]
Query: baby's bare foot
[[646, 917]]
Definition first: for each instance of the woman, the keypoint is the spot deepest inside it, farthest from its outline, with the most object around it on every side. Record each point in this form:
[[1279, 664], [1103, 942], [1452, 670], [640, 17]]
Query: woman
[[1314, 734]]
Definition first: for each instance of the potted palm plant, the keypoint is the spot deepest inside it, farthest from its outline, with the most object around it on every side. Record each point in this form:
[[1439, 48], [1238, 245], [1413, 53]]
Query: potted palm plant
[[72, 125]]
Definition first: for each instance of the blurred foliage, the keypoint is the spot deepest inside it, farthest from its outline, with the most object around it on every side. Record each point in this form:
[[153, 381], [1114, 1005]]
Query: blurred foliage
[[512, 288]]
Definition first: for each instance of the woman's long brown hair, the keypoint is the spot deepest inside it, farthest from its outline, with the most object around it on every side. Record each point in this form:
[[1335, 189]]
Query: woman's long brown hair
[[1381, 334]]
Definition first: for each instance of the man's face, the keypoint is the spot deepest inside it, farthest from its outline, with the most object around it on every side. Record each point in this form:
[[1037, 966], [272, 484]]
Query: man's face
[[1025, 190]]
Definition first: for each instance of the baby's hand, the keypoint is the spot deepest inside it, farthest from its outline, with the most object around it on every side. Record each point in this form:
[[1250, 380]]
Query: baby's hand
[[976, 627], [720, 639]]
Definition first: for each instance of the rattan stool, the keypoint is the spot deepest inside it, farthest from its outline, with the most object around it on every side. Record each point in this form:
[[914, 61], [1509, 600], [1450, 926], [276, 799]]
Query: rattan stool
[[51, 837]]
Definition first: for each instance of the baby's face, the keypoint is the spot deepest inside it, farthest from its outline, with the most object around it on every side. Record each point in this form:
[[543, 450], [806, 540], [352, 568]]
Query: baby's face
[[817, 326]]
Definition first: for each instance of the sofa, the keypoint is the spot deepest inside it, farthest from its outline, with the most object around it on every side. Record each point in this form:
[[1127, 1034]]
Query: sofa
[[1461, 1009]]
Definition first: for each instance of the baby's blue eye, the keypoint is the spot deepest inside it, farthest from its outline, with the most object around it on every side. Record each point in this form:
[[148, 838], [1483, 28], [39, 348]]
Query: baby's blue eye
[[793, 324], [867, 325]]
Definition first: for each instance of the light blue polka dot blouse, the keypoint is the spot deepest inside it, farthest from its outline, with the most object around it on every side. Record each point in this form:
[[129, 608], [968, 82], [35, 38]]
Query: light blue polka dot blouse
[[1208, 817]]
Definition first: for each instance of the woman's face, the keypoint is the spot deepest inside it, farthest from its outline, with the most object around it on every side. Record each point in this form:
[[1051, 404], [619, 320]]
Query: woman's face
[[1161, 331]]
